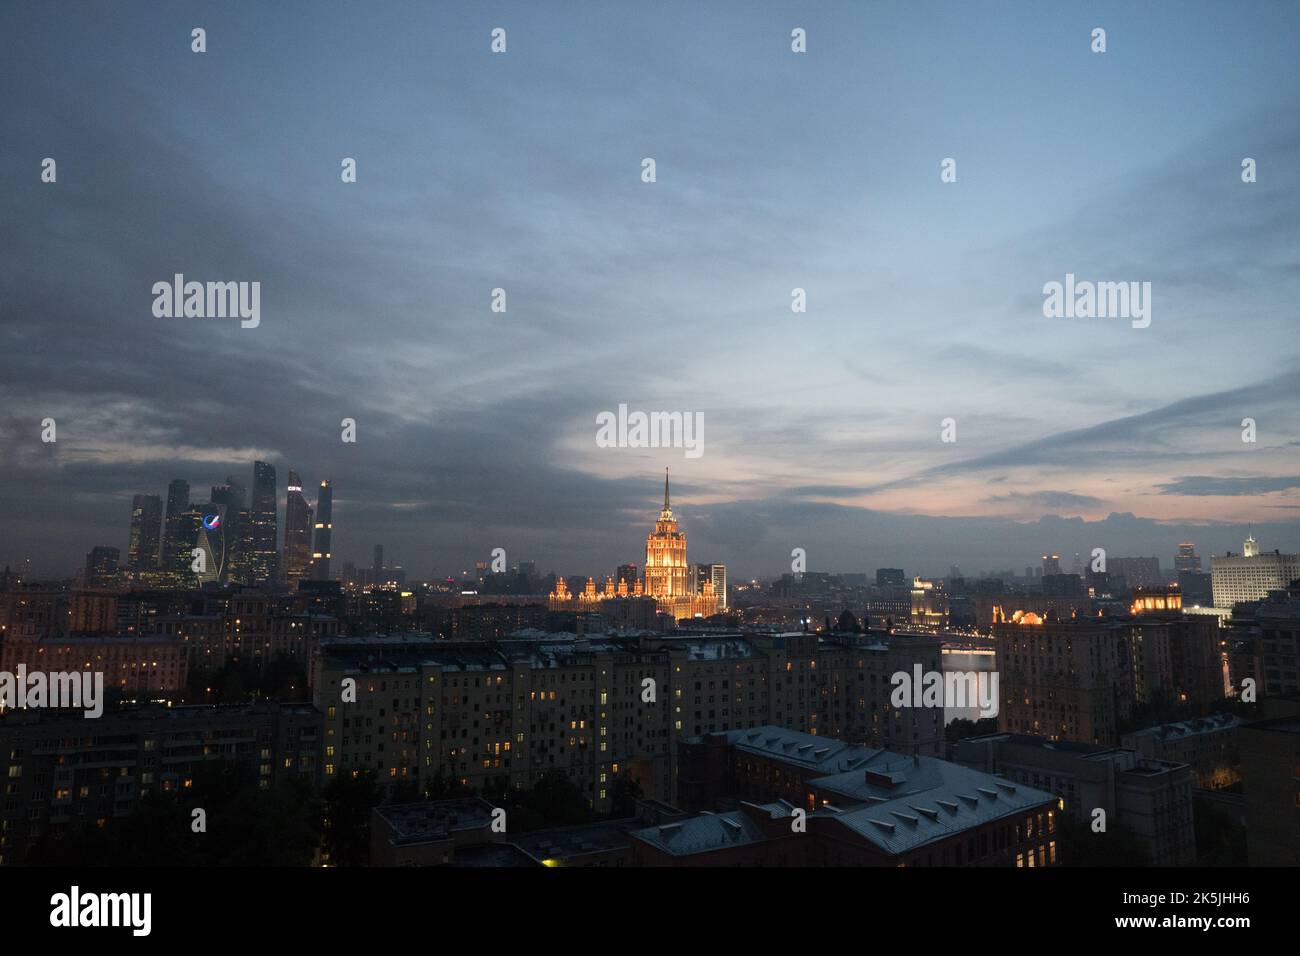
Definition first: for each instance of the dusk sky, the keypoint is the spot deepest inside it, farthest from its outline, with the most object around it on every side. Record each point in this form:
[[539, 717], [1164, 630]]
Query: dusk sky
[[775, 170]]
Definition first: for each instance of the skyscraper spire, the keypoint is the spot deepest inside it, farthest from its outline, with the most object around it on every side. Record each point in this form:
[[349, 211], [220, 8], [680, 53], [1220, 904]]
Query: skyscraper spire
[[665, 489]]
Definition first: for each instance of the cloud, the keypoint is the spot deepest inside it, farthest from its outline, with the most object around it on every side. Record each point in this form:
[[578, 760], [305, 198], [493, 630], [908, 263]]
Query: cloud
[[1246, 485], [1046, 499], [475, 429]]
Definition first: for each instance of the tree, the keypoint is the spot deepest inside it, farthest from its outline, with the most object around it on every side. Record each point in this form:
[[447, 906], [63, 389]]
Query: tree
[[244, 825], [961, 728], [348, 801], [623, 797], [1079, 846]]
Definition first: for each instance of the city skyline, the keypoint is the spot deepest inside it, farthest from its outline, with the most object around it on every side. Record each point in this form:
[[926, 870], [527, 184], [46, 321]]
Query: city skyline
[[505, 435], [1167, 554]]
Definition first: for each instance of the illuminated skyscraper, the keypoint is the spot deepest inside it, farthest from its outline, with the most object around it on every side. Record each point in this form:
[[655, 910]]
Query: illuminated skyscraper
[[320, 555], [666, 572], [231, 543], [146, 524], [177, 529], [101, 566], [1187, 559], [297, 532], [262, 558], [668, 578], [720, 585]]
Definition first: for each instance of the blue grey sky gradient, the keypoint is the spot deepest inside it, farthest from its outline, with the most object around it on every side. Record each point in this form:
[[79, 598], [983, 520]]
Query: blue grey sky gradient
[[775, 170]]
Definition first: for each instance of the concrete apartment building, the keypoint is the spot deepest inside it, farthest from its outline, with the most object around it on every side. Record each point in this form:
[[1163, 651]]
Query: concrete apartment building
[[596, 708], [1071, 680], [149, 668], [1152, 798], [1270, 767], [1279, 646], [1081, 679], [1209, 745], [61, 772]]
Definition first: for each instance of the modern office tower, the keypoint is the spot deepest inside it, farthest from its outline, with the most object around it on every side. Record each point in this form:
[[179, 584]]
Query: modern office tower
[[378, 567], [320, 554], [1187, 558], [720, 585], [101, 566], [714, 575], [229, 543], [262, 558], [890, 577], [1197, 588], [190, 536], [174, 556], [1051, 564], [232, 494], [1250, 575], [146, 526], [699, 574], [297, 532], [1137, 572]]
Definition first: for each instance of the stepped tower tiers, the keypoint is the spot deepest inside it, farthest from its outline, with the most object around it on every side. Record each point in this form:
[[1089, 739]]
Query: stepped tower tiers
[[667, 576]]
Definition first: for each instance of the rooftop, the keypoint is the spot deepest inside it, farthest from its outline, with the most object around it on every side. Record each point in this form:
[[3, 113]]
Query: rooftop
[[427, 821], [1191, 728], [703, 833], [896, 801]]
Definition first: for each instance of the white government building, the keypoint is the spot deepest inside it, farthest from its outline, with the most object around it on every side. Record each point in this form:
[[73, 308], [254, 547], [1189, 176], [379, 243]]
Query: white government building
[[1249, 576]]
